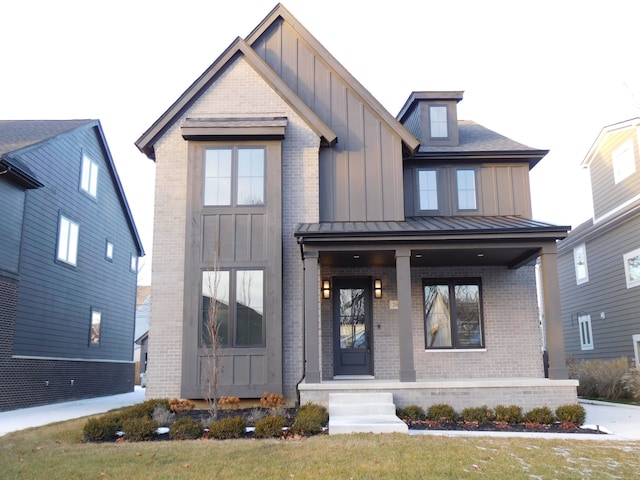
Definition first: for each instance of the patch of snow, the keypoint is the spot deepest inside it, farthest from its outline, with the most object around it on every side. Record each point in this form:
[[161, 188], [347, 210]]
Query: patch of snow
[[162, 430]]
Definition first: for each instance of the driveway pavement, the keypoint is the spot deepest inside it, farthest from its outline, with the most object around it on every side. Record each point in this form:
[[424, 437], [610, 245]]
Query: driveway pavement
[[621, 422]]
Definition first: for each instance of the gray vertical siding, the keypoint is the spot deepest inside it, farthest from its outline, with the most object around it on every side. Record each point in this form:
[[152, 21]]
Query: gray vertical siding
[[55, 300], [361, 178]]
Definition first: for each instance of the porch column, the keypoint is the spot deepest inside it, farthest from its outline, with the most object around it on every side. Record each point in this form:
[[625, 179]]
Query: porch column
[[405, 337], [552, 312], [311, 317]]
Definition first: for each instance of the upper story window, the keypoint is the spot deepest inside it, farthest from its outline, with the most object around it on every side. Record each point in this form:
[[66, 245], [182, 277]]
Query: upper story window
[[580, 264], [133, 265], [67, 249], [108, 254], [632, 268], [466, 184], [89, 176], [624, 161], [438, 125], [234, 176], [452, 313], [428, 189]]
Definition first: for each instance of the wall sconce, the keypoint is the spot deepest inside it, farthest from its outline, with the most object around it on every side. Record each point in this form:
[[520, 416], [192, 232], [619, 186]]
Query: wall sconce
[[326, 289], [377, 288]]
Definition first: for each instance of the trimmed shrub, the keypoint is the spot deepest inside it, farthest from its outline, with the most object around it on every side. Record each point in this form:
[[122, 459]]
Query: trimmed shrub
[[571, 413], [163, 416], [270, 427], [144, 409], [602, 378], [139, 429], [481, 414], [509, 414], [185, 428], [412, 412], [310, 419], [632, 383], [441, 412], [541, 415], [101, 429], [225, 428]]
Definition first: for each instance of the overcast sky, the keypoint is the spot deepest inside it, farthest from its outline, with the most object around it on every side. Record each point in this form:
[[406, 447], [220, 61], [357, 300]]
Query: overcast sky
[[548, 74]]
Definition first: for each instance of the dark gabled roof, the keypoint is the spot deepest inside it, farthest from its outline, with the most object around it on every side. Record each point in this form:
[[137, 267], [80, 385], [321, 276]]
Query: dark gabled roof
[[20, 136], [480, 141], [431, 226], [238, 47]]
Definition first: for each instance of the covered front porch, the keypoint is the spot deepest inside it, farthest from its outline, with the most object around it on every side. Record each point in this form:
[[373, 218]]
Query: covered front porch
[[389, 264]]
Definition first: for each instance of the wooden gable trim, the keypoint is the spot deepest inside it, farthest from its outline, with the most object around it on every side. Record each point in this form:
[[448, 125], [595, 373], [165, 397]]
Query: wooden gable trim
[[238, 48], [410, 142], [234, 128], [591, 154]]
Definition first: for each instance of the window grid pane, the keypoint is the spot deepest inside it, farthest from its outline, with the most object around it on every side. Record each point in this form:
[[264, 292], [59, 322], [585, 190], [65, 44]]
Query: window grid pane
[[217, 177], [466, 189], [428, 189], [89, 176], [249, 304], [438, 119], [68, 232], [215, 306], [250, 176]]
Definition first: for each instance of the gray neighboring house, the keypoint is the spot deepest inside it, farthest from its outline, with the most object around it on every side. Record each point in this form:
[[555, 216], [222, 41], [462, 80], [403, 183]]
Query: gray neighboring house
[[599, 261], [68, 265], [353, 250], [141, 335]]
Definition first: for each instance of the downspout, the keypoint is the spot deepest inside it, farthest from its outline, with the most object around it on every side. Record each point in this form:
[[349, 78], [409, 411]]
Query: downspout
[[304, 326]]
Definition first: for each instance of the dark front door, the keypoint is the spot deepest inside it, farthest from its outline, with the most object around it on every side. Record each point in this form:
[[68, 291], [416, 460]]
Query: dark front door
[[352, 326]]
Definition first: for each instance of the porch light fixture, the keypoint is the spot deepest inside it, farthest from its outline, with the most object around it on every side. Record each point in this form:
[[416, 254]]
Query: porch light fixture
[[377, 288], [326, 289]]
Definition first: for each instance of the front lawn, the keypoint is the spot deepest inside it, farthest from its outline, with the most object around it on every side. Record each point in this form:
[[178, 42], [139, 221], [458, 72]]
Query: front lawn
[[58, 452]]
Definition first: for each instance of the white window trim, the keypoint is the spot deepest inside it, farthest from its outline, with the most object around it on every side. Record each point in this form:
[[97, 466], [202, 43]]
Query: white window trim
[[584, 326], [68, 239], [619, 159], [89, 176], [636, 348], [580, 279], [108, 251], [627, 273]]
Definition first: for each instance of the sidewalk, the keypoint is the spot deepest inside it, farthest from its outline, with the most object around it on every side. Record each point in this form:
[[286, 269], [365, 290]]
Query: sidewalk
[[14, 420], [622, 422]]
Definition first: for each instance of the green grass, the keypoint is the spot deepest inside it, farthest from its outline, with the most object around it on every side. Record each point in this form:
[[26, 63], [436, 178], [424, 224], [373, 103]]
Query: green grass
[[58, 452]]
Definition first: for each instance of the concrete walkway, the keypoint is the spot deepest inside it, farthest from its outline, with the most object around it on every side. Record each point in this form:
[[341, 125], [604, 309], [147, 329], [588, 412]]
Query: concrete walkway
[[622, 421]]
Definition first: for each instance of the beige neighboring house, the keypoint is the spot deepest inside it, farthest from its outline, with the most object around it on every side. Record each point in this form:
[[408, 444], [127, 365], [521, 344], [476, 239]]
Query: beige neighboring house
[[343, 236]]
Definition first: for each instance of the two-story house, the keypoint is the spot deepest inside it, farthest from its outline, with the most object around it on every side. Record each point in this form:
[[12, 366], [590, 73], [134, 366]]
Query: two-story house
[[68, 265], [352, 250], [599, 262]]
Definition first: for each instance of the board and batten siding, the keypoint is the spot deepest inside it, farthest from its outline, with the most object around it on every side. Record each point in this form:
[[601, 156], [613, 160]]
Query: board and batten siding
[[55, 300], [360, 176], [503, 189], [607, 195], [605, 293]]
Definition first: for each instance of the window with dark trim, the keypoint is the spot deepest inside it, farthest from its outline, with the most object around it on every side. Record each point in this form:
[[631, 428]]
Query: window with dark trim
[[453, 313], [67, 245], [233, 306], [427, 189], [438, 124], [108, 252], [234, 176], [466, 186], [89, 176], [96, 324]]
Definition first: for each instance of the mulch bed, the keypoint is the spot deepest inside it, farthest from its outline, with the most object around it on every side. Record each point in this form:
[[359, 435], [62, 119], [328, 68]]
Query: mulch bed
[[500, 427]]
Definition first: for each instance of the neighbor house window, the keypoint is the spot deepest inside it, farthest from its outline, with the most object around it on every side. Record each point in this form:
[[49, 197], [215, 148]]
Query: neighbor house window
[[453, 313], [580, 264], [466, 182], [624, 161], [586, 337], [96, 322], [438, 121], [233, 307], [89, 176], [133, 265], [234, 176], [428, 189], [68, 232], [108, 254], [632, 268]]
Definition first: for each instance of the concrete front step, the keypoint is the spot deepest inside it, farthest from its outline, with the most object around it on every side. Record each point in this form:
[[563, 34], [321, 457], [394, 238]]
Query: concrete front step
[[363, 413]]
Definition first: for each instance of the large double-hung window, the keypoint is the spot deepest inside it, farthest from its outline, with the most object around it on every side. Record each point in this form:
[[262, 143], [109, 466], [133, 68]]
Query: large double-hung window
[[452, 313], [234, 176]]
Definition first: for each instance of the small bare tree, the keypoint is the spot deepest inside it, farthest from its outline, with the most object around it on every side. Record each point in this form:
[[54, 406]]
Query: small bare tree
[[211, 289]]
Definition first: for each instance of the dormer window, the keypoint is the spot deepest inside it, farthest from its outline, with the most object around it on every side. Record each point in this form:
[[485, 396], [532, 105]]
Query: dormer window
[[438, 121]]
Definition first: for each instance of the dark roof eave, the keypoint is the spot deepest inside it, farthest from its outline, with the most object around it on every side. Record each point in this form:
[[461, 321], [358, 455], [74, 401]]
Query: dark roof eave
[[545, 233], [25, 179], [531, 156]]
